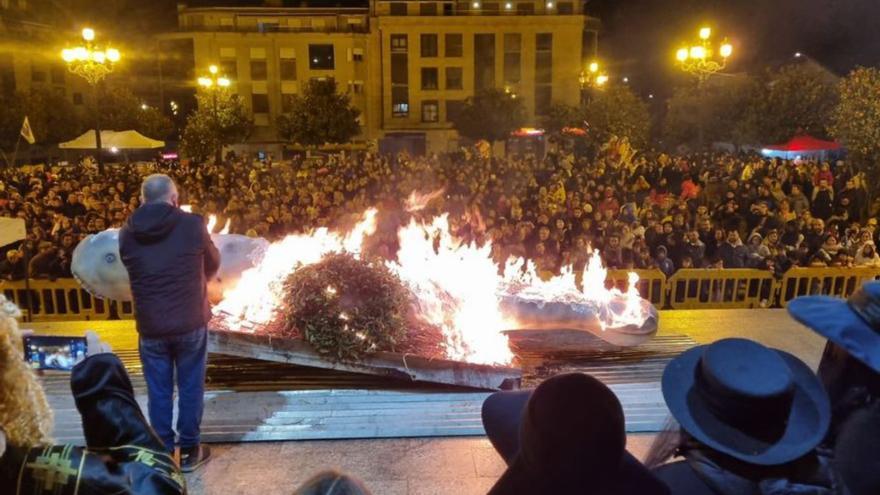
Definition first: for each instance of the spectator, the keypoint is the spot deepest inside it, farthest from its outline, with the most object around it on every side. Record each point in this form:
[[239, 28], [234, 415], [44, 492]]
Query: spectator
[[122, 454], [750, 420], [13, 267], [566, 436]]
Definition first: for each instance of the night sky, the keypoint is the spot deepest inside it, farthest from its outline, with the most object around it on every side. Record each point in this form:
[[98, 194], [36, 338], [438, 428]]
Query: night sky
[[639, 37]]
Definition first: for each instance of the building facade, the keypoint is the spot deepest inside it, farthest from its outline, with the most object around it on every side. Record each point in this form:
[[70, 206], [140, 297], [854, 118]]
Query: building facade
[[29, 52], [408, 65]]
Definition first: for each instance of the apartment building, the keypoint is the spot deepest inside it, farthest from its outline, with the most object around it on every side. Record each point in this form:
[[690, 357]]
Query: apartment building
[[408, 65]]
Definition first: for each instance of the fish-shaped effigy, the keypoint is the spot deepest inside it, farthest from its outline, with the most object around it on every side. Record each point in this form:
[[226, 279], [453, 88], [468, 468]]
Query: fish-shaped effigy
[[98, 267]]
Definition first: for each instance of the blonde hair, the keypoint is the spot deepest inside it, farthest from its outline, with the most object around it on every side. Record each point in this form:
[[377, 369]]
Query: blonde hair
[[25, 415]]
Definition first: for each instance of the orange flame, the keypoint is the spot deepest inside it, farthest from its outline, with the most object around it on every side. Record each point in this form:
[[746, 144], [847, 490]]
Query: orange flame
[[457, 286]]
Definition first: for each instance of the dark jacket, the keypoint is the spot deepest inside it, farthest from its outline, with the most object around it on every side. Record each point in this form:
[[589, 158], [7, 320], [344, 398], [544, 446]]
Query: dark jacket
[[123, 455], [700, 475], [169, 256]]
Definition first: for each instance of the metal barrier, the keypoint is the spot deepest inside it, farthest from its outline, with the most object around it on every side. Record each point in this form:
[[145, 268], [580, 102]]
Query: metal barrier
[[64, 299], [652, 284], [840, 282], [694, 288]]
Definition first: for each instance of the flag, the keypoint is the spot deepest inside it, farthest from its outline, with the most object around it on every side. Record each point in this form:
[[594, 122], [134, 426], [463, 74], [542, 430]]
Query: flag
[[11, 230], [26, 132]]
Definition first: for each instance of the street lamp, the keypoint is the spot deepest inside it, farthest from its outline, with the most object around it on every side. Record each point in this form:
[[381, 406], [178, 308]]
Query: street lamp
[[93, 63], [593, 76], [702, 59], [214, 82]]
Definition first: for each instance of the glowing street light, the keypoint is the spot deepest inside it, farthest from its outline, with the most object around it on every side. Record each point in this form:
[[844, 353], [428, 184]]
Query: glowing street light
[[214, 82], [702, 59], [93, 63]]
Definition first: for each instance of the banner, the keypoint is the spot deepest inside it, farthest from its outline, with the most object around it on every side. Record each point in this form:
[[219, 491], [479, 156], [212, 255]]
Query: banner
[[11, 230], [26, 132]]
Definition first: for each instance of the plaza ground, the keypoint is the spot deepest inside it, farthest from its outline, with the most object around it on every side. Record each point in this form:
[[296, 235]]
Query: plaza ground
[[455, 466]]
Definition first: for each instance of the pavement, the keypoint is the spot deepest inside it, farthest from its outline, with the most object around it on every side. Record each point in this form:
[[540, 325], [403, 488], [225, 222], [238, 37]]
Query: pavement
[[454, 466]]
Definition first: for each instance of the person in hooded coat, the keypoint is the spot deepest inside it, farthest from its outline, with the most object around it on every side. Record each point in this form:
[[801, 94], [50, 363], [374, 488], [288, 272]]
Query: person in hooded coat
[[169, 256]]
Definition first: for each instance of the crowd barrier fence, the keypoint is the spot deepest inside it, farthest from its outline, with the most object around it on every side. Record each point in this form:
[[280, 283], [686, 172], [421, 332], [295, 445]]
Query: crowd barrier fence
[[65, 300]]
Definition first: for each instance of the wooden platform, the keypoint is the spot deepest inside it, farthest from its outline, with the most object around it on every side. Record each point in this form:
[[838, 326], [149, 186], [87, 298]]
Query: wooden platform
[[384, 364]]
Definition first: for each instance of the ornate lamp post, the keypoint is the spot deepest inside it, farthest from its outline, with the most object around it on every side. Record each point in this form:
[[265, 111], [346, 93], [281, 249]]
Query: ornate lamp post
[[702, 59], [592, 78], [214, 82], [93, 63]]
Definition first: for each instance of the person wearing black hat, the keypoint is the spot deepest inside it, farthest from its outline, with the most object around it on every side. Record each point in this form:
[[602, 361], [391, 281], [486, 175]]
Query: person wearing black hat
[[566, 436], [850, 364], [750, 420]]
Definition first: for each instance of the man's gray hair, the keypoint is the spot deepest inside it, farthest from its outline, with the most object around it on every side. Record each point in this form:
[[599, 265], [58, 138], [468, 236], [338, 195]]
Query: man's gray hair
[[158, 188]]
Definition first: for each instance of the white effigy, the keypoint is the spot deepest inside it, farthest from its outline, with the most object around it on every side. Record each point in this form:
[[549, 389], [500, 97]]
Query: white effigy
[[98, 267]]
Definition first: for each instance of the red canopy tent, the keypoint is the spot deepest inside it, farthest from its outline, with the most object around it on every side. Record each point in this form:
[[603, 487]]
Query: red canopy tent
[[804, 146]]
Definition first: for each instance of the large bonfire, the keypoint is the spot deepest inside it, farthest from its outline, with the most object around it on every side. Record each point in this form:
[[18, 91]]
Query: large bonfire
[[457, 286]]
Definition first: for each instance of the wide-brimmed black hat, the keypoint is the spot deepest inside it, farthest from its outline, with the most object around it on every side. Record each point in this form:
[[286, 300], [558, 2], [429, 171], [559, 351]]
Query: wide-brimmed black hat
[[759, 405], [853, 323], [566, 436]]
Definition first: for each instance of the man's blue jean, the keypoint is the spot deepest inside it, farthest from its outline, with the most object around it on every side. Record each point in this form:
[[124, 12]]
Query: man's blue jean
[[161, 357]]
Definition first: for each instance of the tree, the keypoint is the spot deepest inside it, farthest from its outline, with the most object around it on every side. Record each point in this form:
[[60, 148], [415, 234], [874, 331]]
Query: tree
[[706, 112], [319, 115], [617, 111], [121, 110], [796, 98], [560, 116], [53, 118], [491, 114], [219, 119], [856, 119]]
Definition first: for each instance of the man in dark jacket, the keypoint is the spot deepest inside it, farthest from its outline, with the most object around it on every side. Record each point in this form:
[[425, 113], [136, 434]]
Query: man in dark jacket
[[169, 257]]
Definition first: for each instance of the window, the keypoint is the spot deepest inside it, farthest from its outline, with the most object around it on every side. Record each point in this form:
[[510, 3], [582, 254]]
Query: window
[[229, 68], [287, 67], [565, 8], [429, 78], [399, 69], [512, 58], [399, 101], [447, 9], [525, 8], [57, 74], [543, 72], [454, 79], [287, 103], [356, 87], [491, 8], [453, 45], [260, 103], [453, 109], [258, 70], [321, 57], [428, 45], [77, 98], [427, 9], [544, 41], [430, 111], [398, 43], [398, 8], [484, 61], [357, 55], [37, 75]]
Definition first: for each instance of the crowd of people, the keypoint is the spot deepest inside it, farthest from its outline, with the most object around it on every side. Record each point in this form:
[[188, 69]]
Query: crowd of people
[[640, 210]]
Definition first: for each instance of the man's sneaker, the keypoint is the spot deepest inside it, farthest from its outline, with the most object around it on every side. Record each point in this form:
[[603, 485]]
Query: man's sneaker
[[192, 458]]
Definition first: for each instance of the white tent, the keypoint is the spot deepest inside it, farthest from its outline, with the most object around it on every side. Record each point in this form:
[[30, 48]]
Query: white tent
[[121, 140]]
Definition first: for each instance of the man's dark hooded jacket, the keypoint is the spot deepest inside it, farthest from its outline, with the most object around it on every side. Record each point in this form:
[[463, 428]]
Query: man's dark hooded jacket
[[169, 256]]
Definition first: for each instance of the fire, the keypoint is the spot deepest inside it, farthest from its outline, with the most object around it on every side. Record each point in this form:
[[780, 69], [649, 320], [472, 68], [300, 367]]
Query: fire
[[457, 285], [212, 221]]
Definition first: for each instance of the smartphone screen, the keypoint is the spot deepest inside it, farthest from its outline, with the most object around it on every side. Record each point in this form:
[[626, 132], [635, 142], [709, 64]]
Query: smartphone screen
[[43, 352]]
